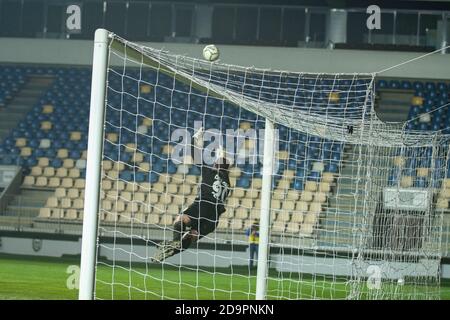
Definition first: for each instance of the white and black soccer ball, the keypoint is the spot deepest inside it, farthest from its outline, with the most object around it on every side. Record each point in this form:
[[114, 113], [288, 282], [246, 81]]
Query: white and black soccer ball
[[211, 53]]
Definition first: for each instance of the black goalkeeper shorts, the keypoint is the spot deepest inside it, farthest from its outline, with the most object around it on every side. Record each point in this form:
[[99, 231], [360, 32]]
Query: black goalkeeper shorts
[[204, 216]]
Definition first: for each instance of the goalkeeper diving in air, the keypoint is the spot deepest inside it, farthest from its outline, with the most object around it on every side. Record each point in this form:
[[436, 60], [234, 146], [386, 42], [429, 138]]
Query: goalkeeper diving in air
[[202, 216]]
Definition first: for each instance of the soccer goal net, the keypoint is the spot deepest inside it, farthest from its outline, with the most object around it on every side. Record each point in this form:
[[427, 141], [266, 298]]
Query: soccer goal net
[[325, 200]]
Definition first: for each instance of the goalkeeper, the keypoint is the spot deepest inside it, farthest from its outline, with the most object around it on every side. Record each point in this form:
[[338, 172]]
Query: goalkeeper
[[202, 216]]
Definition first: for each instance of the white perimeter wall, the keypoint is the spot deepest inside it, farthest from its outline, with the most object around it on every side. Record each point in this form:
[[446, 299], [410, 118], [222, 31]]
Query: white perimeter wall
[[79, 52]]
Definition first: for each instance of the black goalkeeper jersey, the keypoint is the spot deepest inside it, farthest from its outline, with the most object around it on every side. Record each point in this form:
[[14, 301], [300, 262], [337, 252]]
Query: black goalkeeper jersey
[[214, 187]]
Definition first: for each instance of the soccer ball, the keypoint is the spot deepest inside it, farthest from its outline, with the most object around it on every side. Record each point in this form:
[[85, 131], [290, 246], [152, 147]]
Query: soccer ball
[[210, 52], [401, 281]]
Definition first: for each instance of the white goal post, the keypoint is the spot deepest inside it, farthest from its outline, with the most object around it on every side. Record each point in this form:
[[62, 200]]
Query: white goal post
[[314, 169]]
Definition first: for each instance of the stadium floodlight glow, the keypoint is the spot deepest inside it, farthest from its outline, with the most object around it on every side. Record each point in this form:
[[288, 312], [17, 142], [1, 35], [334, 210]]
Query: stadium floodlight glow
[[332, 186]]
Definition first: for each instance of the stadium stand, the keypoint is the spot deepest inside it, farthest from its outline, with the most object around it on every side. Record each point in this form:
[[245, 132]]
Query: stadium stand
[[50, 144]]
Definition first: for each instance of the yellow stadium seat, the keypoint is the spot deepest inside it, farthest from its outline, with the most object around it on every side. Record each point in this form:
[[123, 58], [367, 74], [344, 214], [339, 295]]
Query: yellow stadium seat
[[422, 172], [324, 186], [106, 185], [66, 203], [238, 193], [282, 155], [283, 216], [71, 214], [61, 172], [132, 186], [278, 194], [254, 214], [119, 206], [284, 184], [292, 195], [442, 203], [54, 182], [417, 101], [79, 183], [43, 162], [245, 125], [45, 143], [78, 204], [119, 185], [406, 181], [112, 137], [333, 97], [49, 172], [223, 224], [256, 183], [46, 125], [306, 196], [106, 205], [47, 108], [144, 167], [445, 193], [288, 205], [62, 153], [301, 206], [235, 172], [320, 197], [297, 217], [158, 187], [172, 188], [241, 213], [310, 218], [306, 229], [44, 213], [310, 186], [68, 163], [167, 149], [153, 218], [21, 142], [41, 182], [275, 204], [153, 198], [166, 220], [36, 171], [28, 181], [147, 122], [185, 189], [315, 207], [292, 227], [328, 177], [145, 88], [165, 199], [84, 155], [52, 202], [144, 187], [278, 226], [60, 192], [57, 213], [125, 195], [67, 183], [73, 193], [107, 165], [236, 224], [137, 157], [74, 173], [75, 136], [252, 194], [399, 161], [25, 152]]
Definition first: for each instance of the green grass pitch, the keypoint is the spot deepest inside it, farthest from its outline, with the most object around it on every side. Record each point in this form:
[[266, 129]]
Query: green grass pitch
[[39, 278]]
